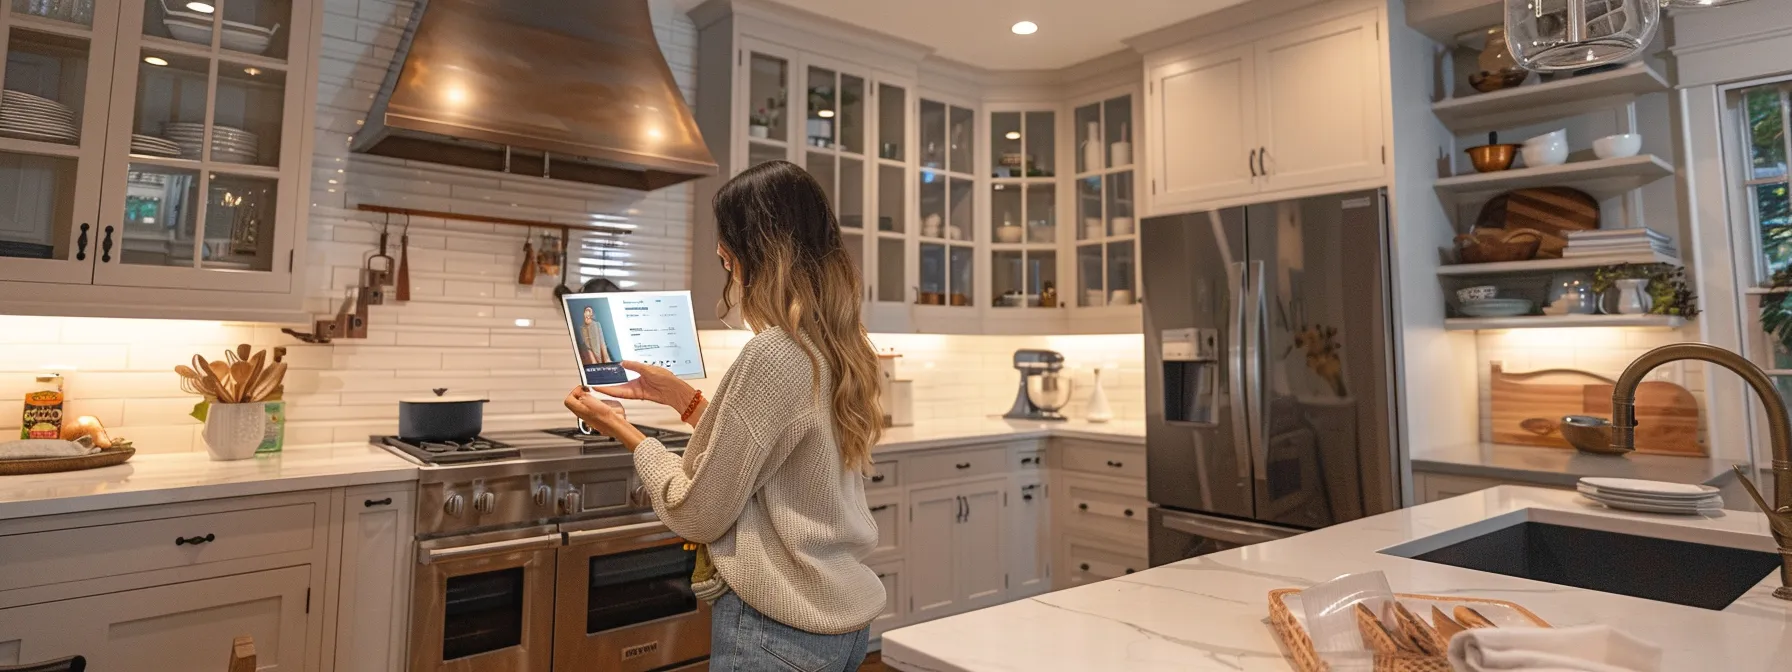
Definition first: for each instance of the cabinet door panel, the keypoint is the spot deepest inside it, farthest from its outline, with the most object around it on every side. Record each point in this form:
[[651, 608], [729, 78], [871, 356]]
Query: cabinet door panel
[[371, 626], [1204, 115], [1320, 98], [982, 570], [1027, 530], [887, 512], [173, 628], [895, 603], [931, 560]]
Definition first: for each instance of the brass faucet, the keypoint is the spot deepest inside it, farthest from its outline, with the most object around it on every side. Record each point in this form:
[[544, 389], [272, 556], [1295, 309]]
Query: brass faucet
[[1779, 430]]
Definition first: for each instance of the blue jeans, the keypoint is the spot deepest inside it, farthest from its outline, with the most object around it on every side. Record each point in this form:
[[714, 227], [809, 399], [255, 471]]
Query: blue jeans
[[744, 640]]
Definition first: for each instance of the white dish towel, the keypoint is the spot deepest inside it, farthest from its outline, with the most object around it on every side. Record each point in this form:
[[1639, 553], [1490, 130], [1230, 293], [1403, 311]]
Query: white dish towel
[[1587, 648], [25, 449]]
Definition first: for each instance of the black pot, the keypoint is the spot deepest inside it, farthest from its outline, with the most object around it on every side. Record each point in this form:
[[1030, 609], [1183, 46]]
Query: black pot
[[441, 418]]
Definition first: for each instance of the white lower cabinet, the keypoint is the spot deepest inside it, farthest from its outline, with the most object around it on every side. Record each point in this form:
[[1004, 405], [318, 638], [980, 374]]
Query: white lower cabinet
[[373, 588], [171, 628], [1029, 531], [895, 612]]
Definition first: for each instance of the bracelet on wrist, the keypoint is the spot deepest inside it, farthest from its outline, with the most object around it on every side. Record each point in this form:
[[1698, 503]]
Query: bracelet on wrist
[[691, 407]]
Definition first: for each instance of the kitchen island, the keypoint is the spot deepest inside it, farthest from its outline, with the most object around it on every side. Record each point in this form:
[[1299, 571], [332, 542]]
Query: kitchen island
[[1211, 612]]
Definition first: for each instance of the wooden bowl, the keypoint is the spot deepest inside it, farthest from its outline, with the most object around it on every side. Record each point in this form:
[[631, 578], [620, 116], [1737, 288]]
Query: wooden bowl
[[1489, 82], [1492, 158], [931, 299], [1487, 246], [1589, 434]]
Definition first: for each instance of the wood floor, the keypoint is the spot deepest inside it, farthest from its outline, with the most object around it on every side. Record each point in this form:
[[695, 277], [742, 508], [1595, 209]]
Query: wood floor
[[875, 663]]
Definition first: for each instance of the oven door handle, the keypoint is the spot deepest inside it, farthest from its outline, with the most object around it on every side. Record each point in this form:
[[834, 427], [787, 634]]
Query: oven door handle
[[632, 530], [431, 556]]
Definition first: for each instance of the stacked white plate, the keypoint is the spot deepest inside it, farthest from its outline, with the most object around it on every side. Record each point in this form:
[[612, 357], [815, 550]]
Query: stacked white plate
[[1651, 496], [149, 145], [23, 115], [197, 28], [230, 145]]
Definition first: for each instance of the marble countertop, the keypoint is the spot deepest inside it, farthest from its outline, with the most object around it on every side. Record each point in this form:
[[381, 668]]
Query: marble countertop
[[1562, 467], [925, 434], [184, 477], [1210, 612]]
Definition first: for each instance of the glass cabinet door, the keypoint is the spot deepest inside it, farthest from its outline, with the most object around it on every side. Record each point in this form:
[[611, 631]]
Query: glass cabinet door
[[202, 106], [1107, 226], [766, 106], [53, 109], [947, 203], [834, 151], [890, 284], [1023, 209]]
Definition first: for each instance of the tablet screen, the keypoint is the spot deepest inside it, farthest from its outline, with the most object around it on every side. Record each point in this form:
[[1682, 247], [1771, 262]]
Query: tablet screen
[[655, 328]]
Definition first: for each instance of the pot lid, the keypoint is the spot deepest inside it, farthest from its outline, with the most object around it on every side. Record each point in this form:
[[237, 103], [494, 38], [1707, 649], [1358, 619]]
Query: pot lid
[[443, 398]]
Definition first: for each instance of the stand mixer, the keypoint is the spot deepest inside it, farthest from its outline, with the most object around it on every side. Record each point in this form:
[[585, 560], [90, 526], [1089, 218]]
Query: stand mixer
[[1043, 388]]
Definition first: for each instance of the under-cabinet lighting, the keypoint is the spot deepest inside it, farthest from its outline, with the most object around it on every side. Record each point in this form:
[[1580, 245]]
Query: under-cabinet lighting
[[201, 7], [524, 322], [825, 114], [1025, 28], [155, 60], [1012, 135]]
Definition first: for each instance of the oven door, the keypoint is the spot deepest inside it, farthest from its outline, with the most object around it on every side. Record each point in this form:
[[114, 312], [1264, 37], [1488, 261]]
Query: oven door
[[485, 602], [625, 602]]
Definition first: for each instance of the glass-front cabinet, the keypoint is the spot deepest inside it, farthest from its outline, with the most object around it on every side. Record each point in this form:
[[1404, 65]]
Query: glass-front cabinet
[[1023, 221], [946, 185], [154, 143], [1106, 203]]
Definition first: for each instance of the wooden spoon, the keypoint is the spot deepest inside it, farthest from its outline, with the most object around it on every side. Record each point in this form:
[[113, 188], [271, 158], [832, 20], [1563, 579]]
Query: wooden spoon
[[243, 350], [268, 382], [241, 376], [213, 384]]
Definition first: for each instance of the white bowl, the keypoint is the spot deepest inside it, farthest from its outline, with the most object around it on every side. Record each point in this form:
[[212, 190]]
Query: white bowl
[[1618, 146], [1546, 152], [1122, 226], [1008, 234], [1477, 293]]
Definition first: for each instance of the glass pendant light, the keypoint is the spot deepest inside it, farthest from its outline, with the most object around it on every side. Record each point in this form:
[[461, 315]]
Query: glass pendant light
[[1562, 35]]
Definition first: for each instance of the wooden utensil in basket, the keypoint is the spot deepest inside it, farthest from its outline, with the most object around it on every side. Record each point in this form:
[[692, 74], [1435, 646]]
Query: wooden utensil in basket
[[1393, 655]]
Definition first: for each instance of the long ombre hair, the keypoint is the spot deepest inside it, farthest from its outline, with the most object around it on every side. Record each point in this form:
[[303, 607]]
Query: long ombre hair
[[795, 274]]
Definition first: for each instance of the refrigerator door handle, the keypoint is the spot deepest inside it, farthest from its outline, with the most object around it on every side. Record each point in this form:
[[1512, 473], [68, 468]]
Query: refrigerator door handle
[[1255, 332], [1229, 531], [1235, 359]]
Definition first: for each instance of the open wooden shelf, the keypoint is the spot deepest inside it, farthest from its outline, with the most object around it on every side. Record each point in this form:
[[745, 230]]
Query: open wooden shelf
[[1602, 178], [1567, 97], [1562, 322], [1547, 265]]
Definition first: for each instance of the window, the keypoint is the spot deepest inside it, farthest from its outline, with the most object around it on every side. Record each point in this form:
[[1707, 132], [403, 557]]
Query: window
[[1762, 116]]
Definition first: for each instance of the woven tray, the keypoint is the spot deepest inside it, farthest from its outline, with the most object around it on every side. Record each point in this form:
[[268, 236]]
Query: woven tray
[[1300, 645], [47, 465]]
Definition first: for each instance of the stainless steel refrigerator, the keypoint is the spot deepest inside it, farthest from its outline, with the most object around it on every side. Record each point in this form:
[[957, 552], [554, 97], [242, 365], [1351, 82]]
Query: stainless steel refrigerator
[[1269, 372]]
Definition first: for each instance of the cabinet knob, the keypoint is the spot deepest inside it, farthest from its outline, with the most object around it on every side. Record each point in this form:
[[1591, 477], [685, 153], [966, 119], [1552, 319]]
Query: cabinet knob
[[454, 505], [195, 540], [1083, 507], [879, 507], [1128, 513], [877, 478], [1026, 460], [1084, 566], [1116, 465], [1129, 570], [1027, 497], [963, 465], [377, 502], [543, 495], [485, 502]]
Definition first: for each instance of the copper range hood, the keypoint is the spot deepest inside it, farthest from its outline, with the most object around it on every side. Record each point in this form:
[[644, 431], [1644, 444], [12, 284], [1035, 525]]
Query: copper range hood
[[566, 89]]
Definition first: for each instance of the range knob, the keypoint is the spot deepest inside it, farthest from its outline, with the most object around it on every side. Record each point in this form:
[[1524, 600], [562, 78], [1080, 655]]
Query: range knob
[[544, 496], [571, 502], [454, 505], [485, 502]]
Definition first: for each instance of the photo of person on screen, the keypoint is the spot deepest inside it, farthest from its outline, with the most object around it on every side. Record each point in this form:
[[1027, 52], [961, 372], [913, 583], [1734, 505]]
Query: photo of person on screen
[[593, 347]]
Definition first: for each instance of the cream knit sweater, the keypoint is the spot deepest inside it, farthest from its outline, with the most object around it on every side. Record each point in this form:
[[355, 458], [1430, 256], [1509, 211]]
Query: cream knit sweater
[[762, 482]]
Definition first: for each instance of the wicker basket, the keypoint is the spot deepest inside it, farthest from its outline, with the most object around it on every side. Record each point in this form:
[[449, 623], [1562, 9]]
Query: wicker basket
[[47, 465], [1300, 646]]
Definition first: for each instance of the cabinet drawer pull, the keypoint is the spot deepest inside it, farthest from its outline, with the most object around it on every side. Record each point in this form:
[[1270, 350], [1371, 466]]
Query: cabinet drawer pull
[[963, 465], [1026, 460], [1085, 566], [1129, 570], [1128, 513], [1251, 162], [879, 507], [877, 478], [81, 244], [1083, 507], [1116, 465], [377, 502], [182, 541], [106, 246]]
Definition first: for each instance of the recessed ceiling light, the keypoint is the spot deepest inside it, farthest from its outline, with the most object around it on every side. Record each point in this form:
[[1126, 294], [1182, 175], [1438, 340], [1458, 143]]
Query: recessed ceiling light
[[155, 60], [1025, 28], [251, 71], [201, 7], [1012, 135], [825, 114]]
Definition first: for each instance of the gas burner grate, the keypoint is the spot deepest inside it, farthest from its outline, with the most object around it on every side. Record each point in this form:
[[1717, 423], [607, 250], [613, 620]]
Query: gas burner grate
[[451, 452]]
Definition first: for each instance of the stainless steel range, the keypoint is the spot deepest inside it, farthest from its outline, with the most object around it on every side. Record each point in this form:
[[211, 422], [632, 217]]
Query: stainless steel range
[[540, 550]]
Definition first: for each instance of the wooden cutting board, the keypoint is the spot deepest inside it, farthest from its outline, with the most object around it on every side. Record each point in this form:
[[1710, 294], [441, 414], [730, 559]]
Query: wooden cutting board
[[1667, 415], [1552, 211]]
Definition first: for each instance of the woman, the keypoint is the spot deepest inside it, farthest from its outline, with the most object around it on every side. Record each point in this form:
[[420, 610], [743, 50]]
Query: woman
[[597, 350], [773, 479]]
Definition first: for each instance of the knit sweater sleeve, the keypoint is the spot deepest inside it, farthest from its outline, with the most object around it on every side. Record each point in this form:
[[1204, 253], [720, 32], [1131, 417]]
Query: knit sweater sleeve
[[739, 439]]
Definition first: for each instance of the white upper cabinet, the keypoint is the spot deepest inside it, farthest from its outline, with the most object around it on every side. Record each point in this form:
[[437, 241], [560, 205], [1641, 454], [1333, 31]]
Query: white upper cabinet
[[1204, 115], [1292, 111], [153, 156], [1319, 96]]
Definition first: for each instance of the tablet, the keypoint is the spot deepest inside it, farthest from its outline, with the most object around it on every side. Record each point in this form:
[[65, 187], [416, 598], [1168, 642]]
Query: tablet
[[655, 328]]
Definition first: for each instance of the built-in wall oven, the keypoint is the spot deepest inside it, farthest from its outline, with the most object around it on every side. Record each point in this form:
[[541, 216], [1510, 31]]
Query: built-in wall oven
[[485, 601], [625, 602]]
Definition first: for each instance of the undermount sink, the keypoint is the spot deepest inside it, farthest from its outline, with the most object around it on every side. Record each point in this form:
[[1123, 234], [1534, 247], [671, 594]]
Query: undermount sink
[[1665, 570]]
